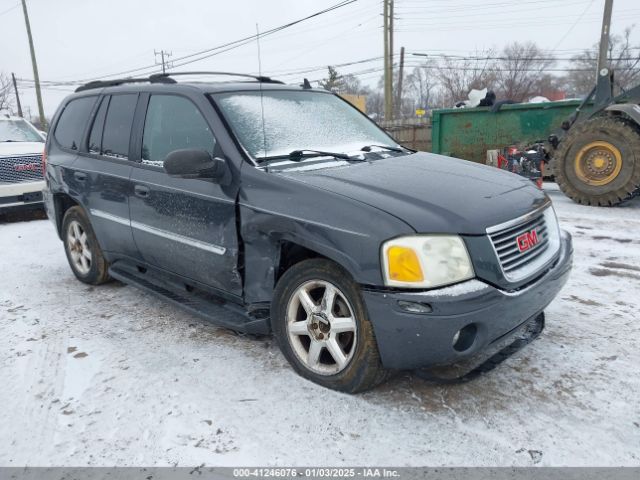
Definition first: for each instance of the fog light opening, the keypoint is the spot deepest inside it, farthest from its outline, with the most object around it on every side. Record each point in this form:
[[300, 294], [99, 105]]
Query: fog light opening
[[414, 307], [464, 338]]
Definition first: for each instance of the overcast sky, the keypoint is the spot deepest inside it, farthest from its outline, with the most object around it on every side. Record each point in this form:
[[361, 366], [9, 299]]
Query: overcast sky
[[81, 39]]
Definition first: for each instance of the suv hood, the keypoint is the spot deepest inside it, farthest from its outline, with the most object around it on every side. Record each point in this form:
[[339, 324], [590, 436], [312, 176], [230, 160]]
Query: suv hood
[[432, 193], [11, 149]]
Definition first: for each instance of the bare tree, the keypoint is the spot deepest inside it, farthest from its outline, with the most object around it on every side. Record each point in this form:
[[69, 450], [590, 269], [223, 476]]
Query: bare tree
[[6, 92], [518, 70], [458, 76], [375, 103], [421, 84], [353, 86], [625, 61]]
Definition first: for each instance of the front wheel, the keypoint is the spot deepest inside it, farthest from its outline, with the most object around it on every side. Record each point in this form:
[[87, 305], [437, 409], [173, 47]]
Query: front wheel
[[322, 327], [598, 163]]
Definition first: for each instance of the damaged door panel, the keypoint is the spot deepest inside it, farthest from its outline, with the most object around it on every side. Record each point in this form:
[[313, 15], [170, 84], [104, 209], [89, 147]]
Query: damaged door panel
[[322, 223]]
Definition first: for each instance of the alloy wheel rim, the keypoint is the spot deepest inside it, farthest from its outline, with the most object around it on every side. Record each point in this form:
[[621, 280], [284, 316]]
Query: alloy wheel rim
[[79, 248], [321, 327]]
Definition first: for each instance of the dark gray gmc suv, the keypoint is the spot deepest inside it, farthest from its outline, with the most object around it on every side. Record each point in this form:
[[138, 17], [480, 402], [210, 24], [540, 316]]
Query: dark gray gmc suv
[[266, 207]]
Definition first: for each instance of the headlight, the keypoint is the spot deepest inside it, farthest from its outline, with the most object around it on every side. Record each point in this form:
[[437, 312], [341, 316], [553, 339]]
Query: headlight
[[425, 261], [553, 228]]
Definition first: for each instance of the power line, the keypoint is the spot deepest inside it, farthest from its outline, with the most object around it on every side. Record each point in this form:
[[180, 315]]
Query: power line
[[472, 11], [489, 57], [252, 38], [209, 52], [435, 56], [10, 9], [435, 25], [322, 67], [573, 26], [380, 69]]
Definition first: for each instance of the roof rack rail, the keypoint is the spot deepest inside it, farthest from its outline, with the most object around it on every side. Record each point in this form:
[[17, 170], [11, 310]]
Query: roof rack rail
[[166, 78], [121, 81], [259, 78]]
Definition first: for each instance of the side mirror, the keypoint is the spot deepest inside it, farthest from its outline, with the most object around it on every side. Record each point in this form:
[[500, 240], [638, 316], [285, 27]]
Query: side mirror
[[194, 163]]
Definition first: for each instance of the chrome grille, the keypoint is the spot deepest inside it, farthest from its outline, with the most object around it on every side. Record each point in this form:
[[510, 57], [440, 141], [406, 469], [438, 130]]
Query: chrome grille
[[23, 168], [505, 242]]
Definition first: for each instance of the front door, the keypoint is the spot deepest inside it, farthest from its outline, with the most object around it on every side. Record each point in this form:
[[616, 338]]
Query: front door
[[184, 226]]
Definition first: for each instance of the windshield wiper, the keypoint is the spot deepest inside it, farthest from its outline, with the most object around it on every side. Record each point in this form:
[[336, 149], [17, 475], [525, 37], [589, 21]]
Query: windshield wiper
[[303, 154], [367, 148], [298, 155]]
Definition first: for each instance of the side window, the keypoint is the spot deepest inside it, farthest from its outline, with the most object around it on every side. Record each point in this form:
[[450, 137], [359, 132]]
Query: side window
[[117, 125], [173, 123], [95, 137], [73, 121]]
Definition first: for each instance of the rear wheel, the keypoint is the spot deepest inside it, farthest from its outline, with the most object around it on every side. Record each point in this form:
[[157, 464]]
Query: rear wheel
[[598, 163], [322, 327], [81, 246]]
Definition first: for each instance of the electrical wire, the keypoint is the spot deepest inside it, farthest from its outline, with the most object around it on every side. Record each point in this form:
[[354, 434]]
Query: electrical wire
[[10, 9], [209, 52], [573, 26]]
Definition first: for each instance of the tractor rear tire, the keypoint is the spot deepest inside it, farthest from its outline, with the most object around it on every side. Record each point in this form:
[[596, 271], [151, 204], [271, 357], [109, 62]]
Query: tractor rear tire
[[598, 162]]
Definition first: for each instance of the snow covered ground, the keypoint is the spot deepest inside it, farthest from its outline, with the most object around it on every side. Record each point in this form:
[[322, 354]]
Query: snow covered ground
[[112, 376]]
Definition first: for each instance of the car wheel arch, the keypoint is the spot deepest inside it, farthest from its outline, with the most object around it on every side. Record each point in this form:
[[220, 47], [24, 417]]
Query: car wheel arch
[[63, 203], [264, 265]]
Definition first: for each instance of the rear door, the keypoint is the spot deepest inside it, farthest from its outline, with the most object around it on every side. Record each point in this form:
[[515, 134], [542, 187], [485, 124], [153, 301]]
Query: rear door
[[184, 226], [102, 173]]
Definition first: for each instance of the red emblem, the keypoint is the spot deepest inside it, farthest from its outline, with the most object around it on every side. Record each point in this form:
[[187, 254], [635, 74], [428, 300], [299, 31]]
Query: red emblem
[[23, 167], [527, 240]]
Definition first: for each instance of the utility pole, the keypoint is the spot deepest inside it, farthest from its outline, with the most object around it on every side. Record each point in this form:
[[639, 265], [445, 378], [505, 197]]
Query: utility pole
[[391, 52], [15, 88], [398, 103], [388, 59], [36, 77], [385, 36], [163, 59]]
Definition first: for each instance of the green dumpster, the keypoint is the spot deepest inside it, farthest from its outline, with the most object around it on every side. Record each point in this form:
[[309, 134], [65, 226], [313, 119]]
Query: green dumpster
[[469, 132]]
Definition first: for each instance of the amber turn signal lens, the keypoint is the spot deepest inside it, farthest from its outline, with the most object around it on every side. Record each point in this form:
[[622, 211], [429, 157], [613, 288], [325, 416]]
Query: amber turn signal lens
[[403, 265]]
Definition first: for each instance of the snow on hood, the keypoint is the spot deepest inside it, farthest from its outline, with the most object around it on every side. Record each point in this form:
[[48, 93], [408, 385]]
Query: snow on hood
[[9, 149]]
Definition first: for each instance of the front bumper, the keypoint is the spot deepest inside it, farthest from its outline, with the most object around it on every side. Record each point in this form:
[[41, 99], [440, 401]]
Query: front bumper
[[410, 340], [18, 196]]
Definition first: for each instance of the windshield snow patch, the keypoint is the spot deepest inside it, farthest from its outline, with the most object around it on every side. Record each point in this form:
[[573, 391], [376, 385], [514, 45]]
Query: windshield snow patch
[[18, 131], [297, 120]]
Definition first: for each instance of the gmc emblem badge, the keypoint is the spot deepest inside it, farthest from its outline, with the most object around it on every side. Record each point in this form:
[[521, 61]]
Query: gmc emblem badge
[[23, 167], [527, 240]]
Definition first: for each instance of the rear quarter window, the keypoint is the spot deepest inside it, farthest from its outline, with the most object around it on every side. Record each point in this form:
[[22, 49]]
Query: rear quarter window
[[73, 121]]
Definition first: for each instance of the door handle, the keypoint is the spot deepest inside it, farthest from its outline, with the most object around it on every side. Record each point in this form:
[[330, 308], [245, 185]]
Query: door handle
[[80, 176], [141, 191]]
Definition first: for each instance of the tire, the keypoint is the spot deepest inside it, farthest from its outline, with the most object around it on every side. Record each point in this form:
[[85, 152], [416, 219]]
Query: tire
[[619, 176], [81, 246], [327, 328]]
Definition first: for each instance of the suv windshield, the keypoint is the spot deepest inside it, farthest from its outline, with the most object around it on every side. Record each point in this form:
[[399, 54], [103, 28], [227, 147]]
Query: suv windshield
[[18, 131], [297, 120]]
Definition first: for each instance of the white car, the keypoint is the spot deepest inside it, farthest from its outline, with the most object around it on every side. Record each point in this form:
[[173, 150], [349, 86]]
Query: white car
[[21, 180]]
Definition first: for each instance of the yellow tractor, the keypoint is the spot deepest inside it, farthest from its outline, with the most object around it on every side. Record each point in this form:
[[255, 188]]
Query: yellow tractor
[[597, 160]]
